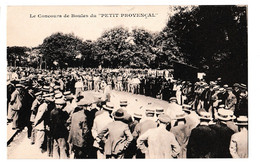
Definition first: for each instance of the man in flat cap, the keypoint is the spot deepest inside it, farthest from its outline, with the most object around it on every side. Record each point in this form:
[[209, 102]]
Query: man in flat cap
[[80, 141], [181, 132], [162, 144], [118, 136]]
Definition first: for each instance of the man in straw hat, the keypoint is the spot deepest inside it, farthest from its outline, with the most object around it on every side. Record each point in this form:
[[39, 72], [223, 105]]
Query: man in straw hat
[[202, 139], [147, 122], [132, 152], [35, 105], [69, 106], [100, 122], [192, 119], [181, 132], [58, 120], [239, 141], [223, 133], [173, 108], [39, 122], [119, 136], [159, 111], [161, 143]]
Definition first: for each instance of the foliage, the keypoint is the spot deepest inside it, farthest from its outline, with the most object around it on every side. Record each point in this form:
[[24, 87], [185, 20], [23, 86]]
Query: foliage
[[212, 38], [16, 55], [62, 48]]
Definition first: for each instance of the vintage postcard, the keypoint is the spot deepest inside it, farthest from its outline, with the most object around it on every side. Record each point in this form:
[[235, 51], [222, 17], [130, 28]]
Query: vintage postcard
[[127, 82]]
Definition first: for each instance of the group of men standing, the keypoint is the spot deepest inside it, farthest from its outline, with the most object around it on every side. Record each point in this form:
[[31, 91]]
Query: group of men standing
[[210, 122]]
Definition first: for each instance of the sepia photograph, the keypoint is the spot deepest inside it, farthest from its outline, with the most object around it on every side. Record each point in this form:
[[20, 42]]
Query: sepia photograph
[[127, 82]]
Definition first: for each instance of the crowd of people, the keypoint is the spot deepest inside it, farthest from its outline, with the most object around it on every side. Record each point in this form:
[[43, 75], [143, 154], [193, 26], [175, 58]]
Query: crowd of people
[[202, 120]]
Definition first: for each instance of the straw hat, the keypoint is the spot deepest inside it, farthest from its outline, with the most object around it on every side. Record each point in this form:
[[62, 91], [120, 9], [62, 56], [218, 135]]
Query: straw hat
[[205, 115], [242, 120], [186, 107], [224, 114], [180, 115], [84, 102], [109, 106], [163, 118], [60, 102], [159, 110]]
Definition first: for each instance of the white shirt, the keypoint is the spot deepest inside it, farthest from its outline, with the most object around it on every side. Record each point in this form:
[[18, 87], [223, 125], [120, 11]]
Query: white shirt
[[79, 85]]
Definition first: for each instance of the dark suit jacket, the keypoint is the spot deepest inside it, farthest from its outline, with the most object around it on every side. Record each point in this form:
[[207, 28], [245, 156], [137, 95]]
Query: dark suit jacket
[[222, 139], [58, 123], [201, 143], [79, 129]]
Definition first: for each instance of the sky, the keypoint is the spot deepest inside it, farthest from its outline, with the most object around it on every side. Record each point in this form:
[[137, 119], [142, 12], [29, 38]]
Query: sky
[[23, 29]]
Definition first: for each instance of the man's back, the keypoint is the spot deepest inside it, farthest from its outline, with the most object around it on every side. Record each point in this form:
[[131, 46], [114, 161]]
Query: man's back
[[223, 136], [142, 127], [58, 120], [119, 137], [239, 144], [182, 134], [78, 129], [161, 144], [201, 142], [100, 122]]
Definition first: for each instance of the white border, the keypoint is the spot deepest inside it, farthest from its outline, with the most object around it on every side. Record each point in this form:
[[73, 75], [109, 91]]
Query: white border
[[253, 55]]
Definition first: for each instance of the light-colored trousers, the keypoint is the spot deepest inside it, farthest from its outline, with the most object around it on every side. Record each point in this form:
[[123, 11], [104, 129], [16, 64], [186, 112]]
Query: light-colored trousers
[[39, 139], [60, 149]]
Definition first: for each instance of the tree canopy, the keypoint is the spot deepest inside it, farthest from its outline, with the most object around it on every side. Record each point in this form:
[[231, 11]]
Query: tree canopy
[[212, 38]]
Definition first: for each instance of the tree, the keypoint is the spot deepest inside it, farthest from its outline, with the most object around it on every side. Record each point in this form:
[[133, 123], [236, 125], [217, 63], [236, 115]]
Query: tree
[[110, 46], [86, 48], [213, 38], [16, 56], [61, 48]]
